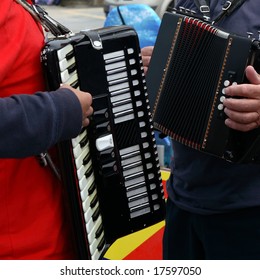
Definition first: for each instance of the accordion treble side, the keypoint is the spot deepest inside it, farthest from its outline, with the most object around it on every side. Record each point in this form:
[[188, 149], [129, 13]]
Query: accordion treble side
[[111, 170]]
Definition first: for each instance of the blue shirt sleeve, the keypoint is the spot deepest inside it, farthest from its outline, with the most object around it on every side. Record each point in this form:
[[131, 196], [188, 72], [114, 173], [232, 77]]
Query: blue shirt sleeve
[[31, 124]]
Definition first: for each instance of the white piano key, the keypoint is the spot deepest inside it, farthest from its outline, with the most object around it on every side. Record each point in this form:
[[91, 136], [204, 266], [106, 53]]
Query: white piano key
[[64, 63], [89, 213], [86, 203], [80, 158], [89, 225], [75, 141], [72, 79], [85, 185], [78, 150], [95, 243], [64, 51], [97, 254], [64, 76], [92, 233], [82, 170]]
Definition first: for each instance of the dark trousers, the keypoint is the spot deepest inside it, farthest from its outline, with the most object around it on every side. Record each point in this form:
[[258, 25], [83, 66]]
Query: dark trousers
[[229, 236]]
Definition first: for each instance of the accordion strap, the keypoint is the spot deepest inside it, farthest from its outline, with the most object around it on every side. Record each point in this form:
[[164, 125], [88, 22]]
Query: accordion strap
[[41, 16], [227, 9]]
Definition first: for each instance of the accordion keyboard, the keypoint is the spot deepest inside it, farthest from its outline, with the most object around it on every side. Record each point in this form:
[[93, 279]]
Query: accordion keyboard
[[83, 163]]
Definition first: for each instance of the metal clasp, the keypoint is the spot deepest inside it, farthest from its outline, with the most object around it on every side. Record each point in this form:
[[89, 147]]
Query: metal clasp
[[226, 6], [204, 9]]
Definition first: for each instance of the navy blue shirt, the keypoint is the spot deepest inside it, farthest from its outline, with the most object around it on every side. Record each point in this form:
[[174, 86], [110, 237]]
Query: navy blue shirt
[[204, 184]]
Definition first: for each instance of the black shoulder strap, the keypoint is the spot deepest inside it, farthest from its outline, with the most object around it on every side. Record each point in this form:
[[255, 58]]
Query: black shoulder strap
[[120, 15], [203, 6], [227, 9], [40, 15]]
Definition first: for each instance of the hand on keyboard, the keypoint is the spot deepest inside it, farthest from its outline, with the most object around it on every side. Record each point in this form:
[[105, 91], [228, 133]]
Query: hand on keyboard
[[85, 100]]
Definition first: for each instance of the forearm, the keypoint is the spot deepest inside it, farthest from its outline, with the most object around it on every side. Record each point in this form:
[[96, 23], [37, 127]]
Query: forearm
[[30, 124]]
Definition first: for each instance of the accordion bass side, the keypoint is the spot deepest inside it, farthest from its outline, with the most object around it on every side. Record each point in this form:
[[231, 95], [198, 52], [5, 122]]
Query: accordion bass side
[[111, 170], [192, 63]]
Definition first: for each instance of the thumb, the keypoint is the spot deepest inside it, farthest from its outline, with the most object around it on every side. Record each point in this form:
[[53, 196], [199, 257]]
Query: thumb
[[252, 75]]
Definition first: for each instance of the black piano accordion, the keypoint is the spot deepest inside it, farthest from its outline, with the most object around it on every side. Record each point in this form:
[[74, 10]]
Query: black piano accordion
[[192, 63], [111, 170]]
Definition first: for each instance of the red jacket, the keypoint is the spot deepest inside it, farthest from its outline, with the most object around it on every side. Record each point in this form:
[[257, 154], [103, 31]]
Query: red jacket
[[33, 219]]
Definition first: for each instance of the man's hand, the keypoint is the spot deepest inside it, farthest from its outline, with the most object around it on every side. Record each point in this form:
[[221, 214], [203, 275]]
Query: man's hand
[[85, 100], [146, 53], [244, 113]]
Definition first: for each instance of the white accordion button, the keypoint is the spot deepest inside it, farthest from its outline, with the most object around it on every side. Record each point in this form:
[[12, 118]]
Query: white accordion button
[[104, 143]]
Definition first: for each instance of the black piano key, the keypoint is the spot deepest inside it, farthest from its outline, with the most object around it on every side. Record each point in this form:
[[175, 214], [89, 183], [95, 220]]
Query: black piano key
[[101, 244], [84, 141], [92, 188], [72, 68], [89, 171], [96, 214], [75, 84], [99, 231], [87, 159], [70, 55], [94, 202]]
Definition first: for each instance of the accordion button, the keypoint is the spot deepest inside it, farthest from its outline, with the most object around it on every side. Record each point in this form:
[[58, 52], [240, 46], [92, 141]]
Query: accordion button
[[226, 83], [104, 143], [220, 107]]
